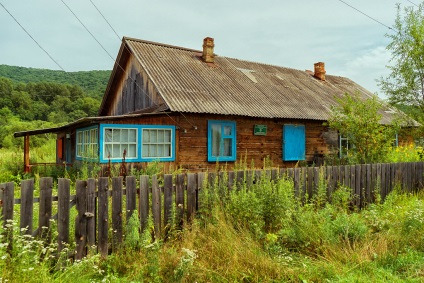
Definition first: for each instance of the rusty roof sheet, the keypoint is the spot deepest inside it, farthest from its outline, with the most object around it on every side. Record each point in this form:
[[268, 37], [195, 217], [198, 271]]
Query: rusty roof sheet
[[237, 87]]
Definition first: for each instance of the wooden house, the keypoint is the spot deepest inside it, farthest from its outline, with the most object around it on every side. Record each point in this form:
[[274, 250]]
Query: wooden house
[[195, 110]]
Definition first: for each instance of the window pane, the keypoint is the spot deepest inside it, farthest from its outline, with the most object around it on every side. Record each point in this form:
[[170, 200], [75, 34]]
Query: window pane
[[227, 147], [153, 136], [108, 135], [131, 151], [145, 150], [116, 135], [132, 135], [146, 136], [107, 151], [216, 140], [124, 135], [116, 153], [160, 150], [160, 136], [152, 150], [227, 130], [167, 150], [167, 136]]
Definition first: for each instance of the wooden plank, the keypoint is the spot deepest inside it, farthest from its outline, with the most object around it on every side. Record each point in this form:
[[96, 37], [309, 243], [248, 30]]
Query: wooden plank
[[231, 180], [81, 220], [103, 210], [316, 179], [8, 196], [368, 184], [328, 177], [310, 183], [45, 208], [131, 196], [240, 179], [201, 177], [179, 199], [420, 173], [27, 206], [144, 201], [373, 184], [117, 232], [383, 181], [346, 177], [352, 183], [64, 189], [91, 213], [296, 182], [358, 177], [191, 195], [274, 174], [156, 207], [303, 181], [167, 198], [378, 181]]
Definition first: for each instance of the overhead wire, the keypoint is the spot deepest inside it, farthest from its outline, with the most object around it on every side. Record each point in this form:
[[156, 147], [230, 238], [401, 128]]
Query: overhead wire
[[39, 45], [126, 47], [412, 3], [368, 16]]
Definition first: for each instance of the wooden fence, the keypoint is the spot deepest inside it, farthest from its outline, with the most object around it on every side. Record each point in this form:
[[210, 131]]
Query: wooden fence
[[100, 202]]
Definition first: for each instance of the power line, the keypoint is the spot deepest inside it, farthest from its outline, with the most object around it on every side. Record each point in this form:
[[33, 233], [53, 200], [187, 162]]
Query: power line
[[126, 47], [119, 38], [45, 51], [92, 35], [412, 3], [375, 20]]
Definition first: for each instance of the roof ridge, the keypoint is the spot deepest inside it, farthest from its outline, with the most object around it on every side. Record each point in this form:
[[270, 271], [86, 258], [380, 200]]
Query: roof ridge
[[126, 38]]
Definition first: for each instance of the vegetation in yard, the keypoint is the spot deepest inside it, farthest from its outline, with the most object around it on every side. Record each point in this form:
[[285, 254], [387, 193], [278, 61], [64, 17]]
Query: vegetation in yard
[[266, 233]]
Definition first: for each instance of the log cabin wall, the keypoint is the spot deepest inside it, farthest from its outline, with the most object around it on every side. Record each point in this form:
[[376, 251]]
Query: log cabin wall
[[191, 140]]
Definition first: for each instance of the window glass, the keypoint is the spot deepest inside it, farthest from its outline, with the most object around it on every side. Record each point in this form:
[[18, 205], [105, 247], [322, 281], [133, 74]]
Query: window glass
[[156, 143], [87, 143], [221, 141]]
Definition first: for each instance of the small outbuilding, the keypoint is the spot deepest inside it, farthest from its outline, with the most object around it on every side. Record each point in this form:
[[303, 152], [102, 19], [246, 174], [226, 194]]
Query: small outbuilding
[[195, 110]]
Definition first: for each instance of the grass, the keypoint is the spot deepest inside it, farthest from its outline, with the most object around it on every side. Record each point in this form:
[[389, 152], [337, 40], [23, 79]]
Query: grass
[[315, 242], [261, 234]]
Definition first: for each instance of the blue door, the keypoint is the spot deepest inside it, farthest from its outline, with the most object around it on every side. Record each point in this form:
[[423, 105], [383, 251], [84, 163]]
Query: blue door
[[294, 142]]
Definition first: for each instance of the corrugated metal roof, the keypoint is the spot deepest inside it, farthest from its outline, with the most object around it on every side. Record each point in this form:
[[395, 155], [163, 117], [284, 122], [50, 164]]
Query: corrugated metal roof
[[237, 87]]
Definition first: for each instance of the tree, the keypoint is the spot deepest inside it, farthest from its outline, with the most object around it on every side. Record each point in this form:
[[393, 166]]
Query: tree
[[359, 121], [405, 84]]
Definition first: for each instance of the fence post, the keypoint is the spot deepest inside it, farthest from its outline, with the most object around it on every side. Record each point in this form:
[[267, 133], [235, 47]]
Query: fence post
[[63, 213], [191, 195], [179, 199], [130, 184], [103, 209], [156, 206], [91, 212], [116, 212], [27, 206], [144, 201], [81, 220], [45, 211], [167, 198], [8, 192]]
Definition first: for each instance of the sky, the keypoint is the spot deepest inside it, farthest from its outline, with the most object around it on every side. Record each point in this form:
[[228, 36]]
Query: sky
[[294, 34]]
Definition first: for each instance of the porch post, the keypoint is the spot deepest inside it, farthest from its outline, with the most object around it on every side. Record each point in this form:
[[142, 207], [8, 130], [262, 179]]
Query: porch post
[[27, 168]]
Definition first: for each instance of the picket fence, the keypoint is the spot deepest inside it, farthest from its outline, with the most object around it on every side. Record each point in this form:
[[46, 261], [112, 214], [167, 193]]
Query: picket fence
[[100, 202]]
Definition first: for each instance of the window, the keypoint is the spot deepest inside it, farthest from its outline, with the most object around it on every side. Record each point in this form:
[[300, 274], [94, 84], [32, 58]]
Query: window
[[294, 142], [156, 143], [141, 143], [87, 143], [120, 141], [221, 141], [343, 146]]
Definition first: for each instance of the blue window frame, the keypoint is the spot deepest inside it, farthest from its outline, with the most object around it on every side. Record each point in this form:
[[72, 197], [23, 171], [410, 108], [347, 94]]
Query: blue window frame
[[222, 141], [141, 143], [294, 142], [87, 145]]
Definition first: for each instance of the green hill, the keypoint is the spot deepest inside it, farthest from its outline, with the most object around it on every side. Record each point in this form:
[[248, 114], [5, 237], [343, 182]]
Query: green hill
[[93, 83]]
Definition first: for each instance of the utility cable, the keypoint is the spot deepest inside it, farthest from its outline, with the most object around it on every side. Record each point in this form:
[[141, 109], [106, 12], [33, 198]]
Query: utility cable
[[126, 47], [39, 45], [375, 20], [412, 3]]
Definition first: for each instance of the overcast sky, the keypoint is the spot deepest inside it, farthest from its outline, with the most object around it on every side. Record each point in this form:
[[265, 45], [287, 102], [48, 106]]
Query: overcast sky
[[293, 34]]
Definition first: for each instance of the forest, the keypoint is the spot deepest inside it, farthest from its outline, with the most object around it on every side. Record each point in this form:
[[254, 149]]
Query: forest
[[38, 98]]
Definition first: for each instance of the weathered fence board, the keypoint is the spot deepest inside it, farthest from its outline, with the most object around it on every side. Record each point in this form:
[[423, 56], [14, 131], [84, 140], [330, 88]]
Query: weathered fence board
[[93, 198]]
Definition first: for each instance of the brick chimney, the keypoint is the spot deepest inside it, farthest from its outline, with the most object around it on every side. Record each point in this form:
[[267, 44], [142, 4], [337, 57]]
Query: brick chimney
[[319, 71], [208, 46]]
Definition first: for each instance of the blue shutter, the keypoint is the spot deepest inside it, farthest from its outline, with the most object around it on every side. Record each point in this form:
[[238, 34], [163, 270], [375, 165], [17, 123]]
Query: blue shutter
[[294, 142]]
